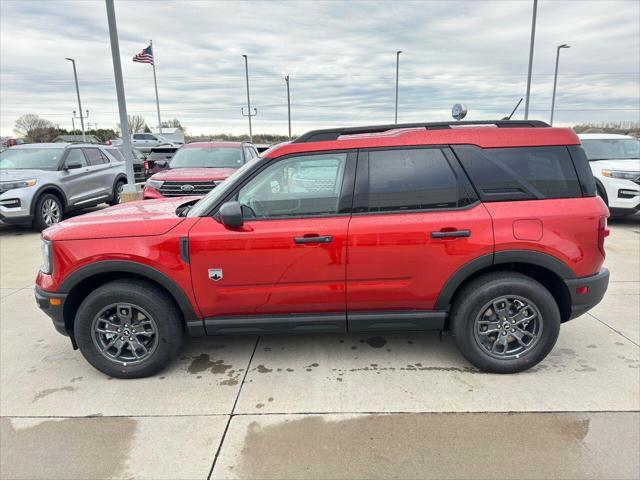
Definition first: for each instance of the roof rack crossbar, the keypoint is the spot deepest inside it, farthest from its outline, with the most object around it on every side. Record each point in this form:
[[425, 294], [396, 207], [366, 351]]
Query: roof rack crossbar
[[334, 133]]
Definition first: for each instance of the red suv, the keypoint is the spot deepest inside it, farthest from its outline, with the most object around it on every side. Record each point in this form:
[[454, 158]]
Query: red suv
[[196, 168], [489, 230]]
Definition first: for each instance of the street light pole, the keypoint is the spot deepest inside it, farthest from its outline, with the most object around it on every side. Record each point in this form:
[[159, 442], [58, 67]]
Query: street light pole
[[249, 114], [122, 105], [75, 76], [555, 80], [397, 79], [286, 79], [533, 40]]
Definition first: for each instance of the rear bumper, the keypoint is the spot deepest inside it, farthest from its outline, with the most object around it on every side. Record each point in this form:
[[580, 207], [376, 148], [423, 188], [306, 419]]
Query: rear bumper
[[593, 289], [55, 312]]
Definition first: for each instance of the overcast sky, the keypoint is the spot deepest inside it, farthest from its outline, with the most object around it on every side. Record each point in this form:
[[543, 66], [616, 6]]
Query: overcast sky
[[340, 56]]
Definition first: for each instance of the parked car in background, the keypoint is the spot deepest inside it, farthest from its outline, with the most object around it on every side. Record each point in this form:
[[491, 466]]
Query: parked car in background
[[173, 134], [494, 234], [159, 159], [615, 163], [146, 141], [138, 161], [40, 182], [196, 168]]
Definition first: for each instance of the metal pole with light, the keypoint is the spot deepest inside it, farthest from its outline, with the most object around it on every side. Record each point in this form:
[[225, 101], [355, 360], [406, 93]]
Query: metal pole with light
[[122, 106], [533, 40], [75, 76], [397, 79], [286, 79], [248, 114], [555, 80]]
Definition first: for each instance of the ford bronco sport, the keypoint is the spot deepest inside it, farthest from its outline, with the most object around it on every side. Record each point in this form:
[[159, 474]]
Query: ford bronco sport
[[490, 230]]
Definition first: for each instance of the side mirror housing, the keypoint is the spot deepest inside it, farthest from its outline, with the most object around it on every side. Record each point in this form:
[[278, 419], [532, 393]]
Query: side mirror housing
[[231, 215], [72, 165]]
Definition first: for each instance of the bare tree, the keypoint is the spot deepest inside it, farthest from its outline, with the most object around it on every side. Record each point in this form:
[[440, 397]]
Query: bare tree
[[174, 123], [34, 129], [137, 124]]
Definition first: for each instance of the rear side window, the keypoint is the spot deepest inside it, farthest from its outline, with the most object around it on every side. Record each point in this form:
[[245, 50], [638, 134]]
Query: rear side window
[[524, 173], [116, 154], [411, 179], [95, 156]]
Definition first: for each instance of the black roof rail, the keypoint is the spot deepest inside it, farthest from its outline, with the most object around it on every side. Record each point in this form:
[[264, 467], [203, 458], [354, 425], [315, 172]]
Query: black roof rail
[[334, 133]]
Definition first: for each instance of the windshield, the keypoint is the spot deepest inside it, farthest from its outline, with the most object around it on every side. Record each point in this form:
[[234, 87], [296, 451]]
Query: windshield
[[225, 157], [612, 149], [221, 190], [31, 158]]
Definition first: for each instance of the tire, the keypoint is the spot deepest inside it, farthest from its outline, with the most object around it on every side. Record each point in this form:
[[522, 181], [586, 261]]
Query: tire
[[473, 322], [117, 192], [601, 193], [104, 310], [48, 211]]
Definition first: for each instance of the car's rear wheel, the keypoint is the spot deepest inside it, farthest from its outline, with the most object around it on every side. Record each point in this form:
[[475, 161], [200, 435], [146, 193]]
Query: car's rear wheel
[[48, 211], [117, 193], [128, 329], [505, 322]]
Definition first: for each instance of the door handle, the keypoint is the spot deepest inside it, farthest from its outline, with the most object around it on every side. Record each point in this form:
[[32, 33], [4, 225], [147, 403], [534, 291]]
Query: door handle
[[451, 234], [313, 239]]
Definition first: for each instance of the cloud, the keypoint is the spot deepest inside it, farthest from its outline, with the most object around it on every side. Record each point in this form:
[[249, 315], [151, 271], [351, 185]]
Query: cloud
[[340, 56]]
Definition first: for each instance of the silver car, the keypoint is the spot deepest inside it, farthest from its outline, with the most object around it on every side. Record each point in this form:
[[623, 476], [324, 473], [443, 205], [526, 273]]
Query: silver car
[[40, 182], [146, 141]]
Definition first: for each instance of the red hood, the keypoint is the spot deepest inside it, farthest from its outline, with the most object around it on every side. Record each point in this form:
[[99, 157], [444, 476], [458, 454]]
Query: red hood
[[132, 219], [193, 174]]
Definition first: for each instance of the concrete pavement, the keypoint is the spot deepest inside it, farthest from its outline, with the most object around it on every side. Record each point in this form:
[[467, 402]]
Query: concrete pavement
[[332, 406]]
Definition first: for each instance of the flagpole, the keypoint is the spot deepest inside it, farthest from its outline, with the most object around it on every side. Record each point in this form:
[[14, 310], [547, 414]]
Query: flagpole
[[155, 83]]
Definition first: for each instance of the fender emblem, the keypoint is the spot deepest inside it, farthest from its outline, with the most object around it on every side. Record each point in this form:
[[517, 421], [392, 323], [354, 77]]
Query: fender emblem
[[215, 274]]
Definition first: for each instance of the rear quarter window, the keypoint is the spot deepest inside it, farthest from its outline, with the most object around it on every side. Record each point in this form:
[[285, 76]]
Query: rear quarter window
[[523, 173]]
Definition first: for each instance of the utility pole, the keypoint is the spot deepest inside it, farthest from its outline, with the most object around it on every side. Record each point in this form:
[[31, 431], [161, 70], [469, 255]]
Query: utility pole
[[75, 76], [122, 105], [73, 123], [555, 80], [255, 111], [155, 84], [286, 79], [533, 41], [397, 79]]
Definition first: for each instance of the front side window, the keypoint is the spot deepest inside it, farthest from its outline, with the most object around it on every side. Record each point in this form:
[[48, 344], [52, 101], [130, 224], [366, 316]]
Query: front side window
[[224, 157], [139, 136], [76, 157], [308, 185], [612, 149], [31, 158], [412, 179]]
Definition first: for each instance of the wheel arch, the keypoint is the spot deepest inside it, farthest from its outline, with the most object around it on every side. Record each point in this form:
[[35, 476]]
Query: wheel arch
[[86, 279], [602, 191], [547, 270], [49, 188]]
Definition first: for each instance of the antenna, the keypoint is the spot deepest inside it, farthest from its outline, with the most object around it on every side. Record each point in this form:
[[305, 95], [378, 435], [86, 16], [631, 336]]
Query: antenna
[[514, 111]]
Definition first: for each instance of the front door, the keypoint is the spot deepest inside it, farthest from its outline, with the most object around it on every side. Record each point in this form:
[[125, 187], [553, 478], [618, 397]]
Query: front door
[[288, 260], [416, 221]]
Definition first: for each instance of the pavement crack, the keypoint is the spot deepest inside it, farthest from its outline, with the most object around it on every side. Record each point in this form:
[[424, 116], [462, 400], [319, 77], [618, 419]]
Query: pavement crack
[[609, 326]]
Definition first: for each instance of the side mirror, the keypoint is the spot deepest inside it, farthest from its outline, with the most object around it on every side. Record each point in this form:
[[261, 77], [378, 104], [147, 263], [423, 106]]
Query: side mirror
[[231, 215], [72, 165]]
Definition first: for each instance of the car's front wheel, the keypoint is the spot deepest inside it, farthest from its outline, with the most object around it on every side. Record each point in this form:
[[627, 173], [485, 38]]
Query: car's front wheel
[[128, 329], [505, 322], [48, 211]]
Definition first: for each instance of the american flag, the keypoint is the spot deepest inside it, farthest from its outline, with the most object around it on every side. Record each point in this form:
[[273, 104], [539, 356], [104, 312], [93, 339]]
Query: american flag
[[145, 56]]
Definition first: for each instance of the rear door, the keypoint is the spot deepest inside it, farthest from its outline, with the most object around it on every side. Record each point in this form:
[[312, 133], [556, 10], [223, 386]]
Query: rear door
[[416, 221], [288, 259], [101, 173]]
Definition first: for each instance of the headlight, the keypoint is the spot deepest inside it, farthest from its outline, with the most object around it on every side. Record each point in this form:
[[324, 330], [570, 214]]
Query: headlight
[[619, 174], [156, 184], [47, 257], [21, 184]]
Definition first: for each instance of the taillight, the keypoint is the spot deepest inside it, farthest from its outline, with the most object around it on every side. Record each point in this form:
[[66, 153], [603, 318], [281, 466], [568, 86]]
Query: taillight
[[146, 165], [603, 232]]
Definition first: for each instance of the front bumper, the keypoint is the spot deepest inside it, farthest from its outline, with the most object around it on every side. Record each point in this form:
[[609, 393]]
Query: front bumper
[[54, 309], [586, 292], [15, 206]]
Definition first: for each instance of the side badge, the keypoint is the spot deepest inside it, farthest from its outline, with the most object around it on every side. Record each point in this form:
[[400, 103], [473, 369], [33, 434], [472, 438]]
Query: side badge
[[215, 274]]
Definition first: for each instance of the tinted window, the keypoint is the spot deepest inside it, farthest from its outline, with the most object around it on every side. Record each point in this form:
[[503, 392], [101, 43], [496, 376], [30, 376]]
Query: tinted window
[[139, 136], [520, 173], [308, 185], [95, 156], [36, 158], [117, 154], [76, 156], [222, 157], [411, 180]]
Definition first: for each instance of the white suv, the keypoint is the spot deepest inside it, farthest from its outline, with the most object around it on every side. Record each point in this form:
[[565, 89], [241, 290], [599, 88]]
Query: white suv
[[615, 163]]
